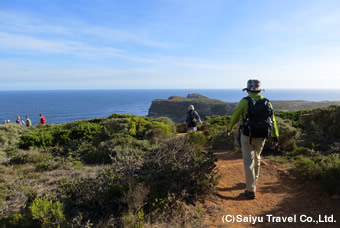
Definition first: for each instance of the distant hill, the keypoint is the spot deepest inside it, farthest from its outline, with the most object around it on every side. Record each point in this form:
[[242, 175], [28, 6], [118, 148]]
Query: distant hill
[[175, 107]]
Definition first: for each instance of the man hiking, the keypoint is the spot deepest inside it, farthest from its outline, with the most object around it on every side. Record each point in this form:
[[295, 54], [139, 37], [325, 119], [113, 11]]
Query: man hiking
[[258, 123], [192, 119]]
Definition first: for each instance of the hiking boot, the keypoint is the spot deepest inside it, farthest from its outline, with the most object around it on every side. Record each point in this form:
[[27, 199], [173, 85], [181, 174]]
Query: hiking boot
[[249, 194]]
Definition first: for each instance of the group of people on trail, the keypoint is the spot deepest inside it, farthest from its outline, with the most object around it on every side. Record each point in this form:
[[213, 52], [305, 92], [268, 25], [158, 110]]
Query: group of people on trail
[[258, 123], [28, 122]]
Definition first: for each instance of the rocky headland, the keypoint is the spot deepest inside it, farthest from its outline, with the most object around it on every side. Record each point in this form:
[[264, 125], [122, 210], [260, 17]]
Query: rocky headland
[[175, 107]]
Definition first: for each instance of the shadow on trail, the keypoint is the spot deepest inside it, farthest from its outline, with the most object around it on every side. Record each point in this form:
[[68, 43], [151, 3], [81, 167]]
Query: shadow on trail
[[239, 186], [240, 197], [301, 198], [231, 155]]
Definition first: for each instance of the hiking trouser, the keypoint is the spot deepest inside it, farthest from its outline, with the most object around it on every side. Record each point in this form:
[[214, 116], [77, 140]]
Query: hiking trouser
[[251, 159], [194, 128]]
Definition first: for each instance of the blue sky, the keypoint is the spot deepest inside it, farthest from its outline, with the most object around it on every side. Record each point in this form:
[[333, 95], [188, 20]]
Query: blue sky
[[162, 44]]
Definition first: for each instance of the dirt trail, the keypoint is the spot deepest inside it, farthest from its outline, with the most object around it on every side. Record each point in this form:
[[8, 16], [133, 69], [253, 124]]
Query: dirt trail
[[278, 194]]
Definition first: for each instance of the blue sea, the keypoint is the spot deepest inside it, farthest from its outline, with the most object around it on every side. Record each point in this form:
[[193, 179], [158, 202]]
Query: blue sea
[[61, 106]]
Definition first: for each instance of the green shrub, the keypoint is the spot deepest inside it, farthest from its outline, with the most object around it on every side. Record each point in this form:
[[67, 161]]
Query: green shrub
[[135, 125], [181, 127], [16, 219], [101, 194], [307, 168], [294, 117], [62, 137], [169, 122], [43, 137], [50, 213], [212, 131], [223, 141], [326, 169], [325, 121], [10, 134], [76, 164], [222, 121], [38, 139], [215, 129], [116, 125], [91, 155], [330, 178], [85, 131], [178, 166], [288, 136], [197, 138], [321, 127], [157, 131], [134, 221], [301, 150]]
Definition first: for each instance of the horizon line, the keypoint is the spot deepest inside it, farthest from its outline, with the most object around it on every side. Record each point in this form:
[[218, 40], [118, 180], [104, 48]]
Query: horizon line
[[89, 89]]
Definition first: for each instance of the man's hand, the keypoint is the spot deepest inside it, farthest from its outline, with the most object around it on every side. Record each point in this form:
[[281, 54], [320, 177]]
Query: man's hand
[[229, 133], [275, 144], [275, 141]]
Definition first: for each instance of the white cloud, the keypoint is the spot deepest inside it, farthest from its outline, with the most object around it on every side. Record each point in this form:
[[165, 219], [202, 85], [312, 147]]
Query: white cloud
[[24, 44], [26, 25], [21, 23]]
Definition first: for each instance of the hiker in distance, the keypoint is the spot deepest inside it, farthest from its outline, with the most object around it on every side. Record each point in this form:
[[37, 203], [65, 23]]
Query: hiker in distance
[[192, 119], [20, 121], [28, 122], [42, 120], [258, 123]]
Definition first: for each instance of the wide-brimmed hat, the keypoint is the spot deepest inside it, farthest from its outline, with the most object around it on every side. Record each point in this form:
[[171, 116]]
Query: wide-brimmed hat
[[253, 85]]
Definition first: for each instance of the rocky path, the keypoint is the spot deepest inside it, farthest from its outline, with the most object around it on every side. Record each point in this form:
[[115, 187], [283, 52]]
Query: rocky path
[[280, 197]]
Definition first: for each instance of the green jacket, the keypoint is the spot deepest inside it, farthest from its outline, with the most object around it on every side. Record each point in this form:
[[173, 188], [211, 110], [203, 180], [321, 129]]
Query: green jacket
[[28, 123], [242, 110]]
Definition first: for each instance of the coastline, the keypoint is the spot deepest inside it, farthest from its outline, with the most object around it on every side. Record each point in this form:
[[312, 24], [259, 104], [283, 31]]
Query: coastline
[[63, 106]]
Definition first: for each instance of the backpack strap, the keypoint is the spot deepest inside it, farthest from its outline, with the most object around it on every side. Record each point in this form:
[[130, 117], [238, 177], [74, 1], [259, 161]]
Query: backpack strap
[[250, 100]]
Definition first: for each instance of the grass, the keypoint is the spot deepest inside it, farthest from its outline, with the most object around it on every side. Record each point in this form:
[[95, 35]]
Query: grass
[[278, 159]]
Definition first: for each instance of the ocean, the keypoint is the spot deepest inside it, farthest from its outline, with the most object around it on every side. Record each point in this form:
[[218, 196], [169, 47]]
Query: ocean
[[61, 106]]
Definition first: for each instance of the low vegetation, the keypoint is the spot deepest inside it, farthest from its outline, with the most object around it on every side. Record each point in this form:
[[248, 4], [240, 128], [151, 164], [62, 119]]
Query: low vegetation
[[310, 140], [124, 170], [131, 171]]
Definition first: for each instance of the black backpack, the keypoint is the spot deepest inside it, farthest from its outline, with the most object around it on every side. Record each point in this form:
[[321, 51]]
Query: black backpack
[[191, 119], [258, 122]]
